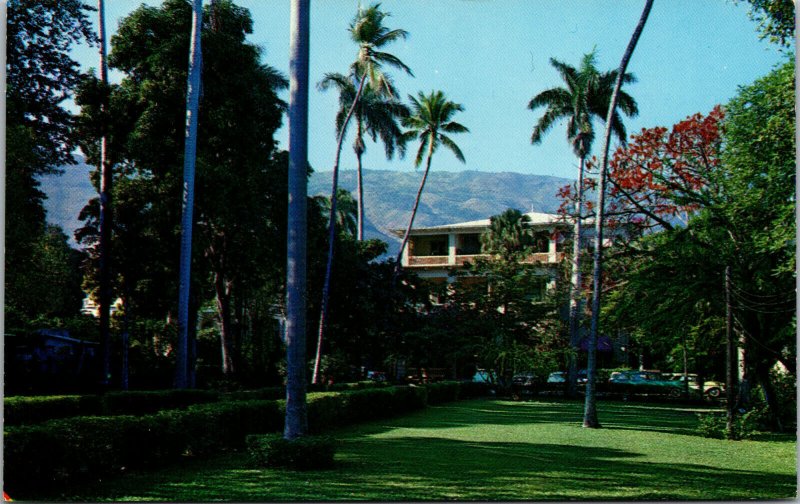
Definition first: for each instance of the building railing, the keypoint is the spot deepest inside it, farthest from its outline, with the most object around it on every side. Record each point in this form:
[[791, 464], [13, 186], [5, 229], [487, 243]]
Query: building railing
[[459, 260]]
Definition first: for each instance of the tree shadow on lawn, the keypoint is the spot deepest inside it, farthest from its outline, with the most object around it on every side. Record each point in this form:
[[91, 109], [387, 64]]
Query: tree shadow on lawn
[[430, 468], [656, 418]]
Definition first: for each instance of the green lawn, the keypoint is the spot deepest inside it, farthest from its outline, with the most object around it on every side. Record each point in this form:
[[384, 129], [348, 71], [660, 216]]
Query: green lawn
[[496, 450]]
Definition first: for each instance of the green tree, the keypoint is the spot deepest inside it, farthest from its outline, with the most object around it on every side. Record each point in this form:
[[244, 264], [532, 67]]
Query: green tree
[[345, 212], [509, 235], [369, 33], [775, 19], [40, 77], [745, 208], [240, 206], [430, 122], [376, 115], [585, 97]]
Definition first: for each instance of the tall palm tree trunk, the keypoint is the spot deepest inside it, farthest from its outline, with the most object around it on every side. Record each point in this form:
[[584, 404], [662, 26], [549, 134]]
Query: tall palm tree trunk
[[296, 422], [326, 287], [413, 213], [105, 214], [590, 407], [575, 288], [189, 160], [360, 186]]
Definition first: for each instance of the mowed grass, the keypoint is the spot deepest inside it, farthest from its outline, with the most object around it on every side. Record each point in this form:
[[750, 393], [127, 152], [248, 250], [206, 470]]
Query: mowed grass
[[495, 450]]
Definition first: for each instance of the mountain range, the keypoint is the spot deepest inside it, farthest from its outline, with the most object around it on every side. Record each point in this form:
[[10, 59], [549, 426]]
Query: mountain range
[[449, 196]]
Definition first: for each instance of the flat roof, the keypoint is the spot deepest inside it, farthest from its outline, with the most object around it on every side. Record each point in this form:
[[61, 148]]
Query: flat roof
[[536, 219]]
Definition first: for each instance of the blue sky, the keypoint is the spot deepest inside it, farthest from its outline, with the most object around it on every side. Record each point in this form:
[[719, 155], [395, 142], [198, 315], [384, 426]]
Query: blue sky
[[492, 56]]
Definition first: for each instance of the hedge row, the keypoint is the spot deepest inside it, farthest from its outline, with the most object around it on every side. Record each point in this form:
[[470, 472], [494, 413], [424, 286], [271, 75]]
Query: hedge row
[[25, 410], [56, 453]]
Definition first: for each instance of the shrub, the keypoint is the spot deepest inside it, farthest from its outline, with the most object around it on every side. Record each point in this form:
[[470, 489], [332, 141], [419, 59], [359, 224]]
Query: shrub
[[60, 452], [209, 428], [141, 402], [714, 425], [469, 390], [441, 392], [303, 453], [268, 393], [21, 410]]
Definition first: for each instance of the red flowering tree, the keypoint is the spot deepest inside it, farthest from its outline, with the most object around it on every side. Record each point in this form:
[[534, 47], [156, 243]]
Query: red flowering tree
[[661, 177]]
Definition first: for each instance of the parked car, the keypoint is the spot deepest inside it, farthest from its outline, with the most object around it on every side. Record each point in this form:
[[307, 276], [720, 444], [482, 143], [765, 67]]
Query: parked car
[[711, 388], [561, 376], [644, 382], [523, 384], [482, 376]]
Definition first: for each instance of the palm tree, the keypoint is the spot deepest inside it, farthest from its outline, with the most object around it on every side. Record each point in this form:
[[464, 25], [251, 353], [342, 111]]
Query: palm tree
[[105, 218], [509, 235], [296, 422], [368, 32], [431, 119], [189, 158], [345, 211], [586, 96], [590, 406], [376, 115]]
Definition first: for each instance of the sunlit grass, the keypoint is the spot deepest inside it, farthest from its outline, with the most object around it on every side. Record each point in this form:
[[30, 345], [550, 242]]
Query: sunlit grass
[[495, 450]]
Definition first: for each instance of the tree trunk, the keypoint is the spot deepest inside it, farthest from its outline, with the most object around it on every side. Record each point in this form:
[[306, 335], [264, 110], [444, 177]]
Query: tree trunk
[[326, 287], [105, 214], [575, 288], [590, 407], [189, 158], [222, 290], [730, 359], [360, 185], [296, 423], [413, 213]]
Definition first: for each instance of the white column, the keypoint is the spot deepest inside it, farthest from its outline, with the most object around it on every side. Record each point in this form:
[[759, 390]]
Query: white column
[[451, 242]]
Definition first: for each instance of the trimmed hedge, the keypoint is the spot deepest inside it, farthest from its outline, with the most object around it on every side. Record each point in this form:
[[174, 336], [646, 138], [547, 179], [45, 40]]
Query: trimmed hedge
[[26, 410], [304, 453], [21, 410], [56, 453]]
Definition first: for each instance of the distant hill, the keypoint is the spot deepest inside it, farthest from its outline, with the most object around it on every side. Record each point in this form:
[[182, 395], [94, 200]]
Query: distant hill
[[389, 195], [67, 194], [448, 196]]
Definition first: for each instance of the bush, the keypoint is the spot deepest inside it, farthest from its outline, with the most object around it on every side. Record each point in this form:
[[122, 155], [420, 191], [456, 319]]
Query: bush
[[268, 393], [140, 402], [209, 428], [60, 452], [714, 425], [469, 390], [21, 410], [443, 392], [303, 453]]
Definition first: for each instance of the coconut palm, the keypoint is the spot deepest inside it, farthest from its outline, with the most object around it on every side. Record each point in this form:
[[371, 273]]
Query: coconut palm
[[590, 405], [431, 118], [377, 115], [189, 158], [509, 235], [368, 32], [585, 97], [296, 422], [345, 211]]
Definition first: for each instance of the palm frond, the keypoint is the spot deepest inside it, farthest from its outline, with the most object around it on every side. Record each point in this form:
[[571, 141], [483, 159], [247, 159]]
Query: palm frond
[[450, 144]]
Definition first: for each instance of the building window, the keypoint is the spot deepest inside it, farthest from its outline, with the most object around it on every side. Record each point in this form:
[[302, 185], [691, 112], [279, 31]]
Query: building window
[[429, 245], [469, 244]]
